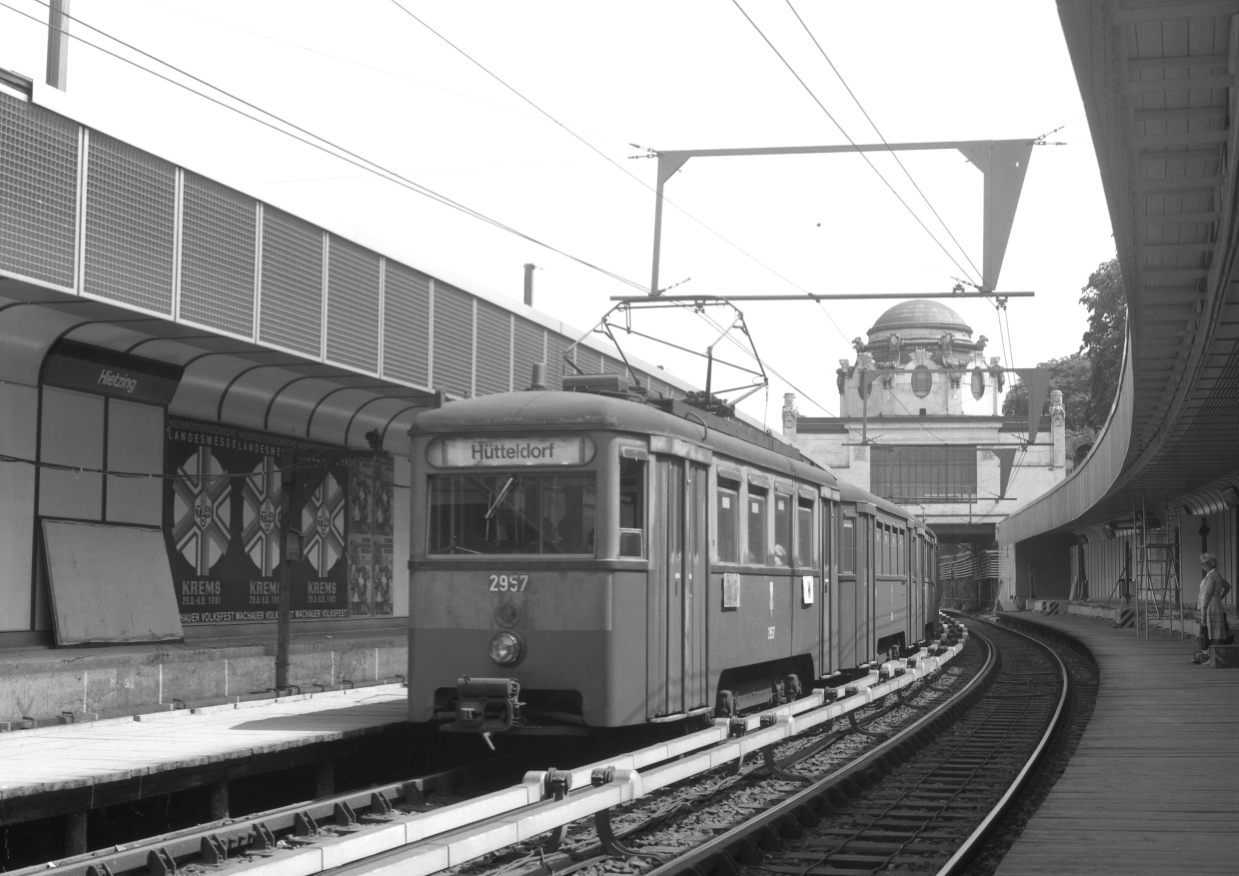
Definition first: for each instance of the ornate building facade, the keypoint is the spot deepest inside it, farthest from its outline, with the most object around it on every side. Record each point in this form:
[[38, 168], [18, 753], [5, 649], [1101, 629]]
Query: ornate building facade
[[920, 423]]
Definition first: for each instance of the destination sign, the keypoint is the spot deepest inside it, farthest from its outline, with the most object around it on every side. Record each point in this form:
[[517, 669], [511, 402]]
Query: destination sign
[[509, 452]]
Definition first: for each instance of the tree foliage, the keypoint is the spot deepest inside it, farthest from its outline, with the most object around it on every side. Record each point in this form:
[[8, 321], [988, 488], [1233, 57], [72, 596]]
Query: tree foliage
[[1090, 378], [1104, 339], [1072, 375]]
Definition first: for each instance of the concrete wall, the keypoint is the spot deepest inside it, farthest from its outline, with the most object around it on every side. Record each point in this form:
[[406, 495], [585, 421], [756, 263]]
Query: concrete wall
[[1043, 567], [18, 430], [47, 684], [1031, 475], [1105, 559]]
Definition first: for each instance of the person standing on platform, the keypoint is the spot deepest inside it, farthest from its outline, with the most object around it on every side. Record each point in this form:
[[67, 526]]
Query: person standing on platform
[[1213, 589]]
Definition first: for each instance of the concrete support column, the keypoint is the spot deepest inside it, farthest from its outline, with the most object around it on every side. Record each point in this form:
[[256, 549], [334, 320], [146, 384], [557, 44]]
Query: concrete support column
[[325, 778], [75, 833], [219, 801]]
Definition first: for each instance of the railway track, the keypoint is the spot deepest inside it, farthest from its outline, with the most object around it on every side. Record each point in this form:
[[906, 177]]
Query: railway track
[[919, 801], [393, 829], [904, 811]]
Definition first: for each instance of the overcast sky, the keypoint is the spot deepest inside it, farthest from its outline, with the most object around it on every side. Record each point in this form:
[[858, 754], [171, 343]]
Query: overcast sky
[[668, 74]]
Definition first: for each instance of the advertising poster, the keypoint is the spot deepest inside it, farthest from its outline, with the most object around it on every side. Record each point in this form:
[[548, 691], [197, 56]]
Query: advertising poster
[[370, 535], [222, 527]]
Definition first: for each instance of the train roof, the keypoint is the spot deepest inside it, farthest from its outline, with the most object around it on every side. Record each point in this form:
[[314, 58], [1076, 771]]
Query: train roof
[[852, 493], [586, 410]]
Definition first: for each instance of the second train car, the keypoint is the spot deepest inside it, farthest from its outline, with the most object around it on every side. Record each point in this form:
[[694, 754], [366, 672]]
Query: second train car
[[594, 559]]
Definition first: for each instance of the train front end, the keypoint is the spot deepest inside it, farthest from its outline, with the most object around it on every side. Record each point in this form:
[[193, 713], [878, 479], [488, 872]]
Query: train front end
[[518, 580]]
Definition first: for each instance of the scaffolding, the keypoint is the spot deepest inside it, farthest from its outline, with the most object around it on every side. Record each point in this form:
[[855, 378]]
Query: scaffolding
[[1158, 577]]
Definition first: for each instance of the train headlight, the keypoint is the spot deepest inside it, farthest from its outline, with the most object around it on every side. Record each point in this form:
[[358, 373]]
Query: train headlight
[[506, 648]]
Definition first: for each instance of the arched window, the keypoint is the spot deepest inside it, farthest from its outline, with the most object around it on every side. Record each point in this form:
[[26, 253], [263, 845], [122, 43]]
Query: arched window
[[978, 383], [922, 380]]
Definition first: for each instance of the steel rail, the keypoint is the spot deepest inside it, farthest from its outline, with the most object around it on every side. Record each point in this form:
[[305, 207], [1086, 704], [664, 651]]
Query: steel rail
[[750, 834], [394, 829], [969, 847], [428, 848], [856, 771]]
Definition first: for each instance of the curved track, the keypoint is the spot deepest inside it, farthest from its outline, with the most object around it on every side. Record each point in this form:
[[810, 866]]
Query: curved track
[[914, 804]]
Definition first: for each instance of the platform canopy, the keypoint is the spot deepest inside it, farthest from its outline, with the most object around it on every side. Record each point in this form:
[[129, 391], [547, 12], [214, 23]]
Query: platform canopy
[[1159, 86], [223, 378]]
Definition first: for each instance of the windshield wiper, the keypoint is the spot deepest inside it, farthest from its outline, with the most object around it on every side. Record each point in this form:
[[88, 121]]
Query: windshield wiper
[[494, 506]]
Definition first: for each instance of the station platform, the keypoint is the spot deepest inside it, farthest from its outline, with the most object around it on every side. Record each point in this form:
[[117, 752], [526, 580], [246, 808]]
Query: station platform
[[63, 759], [42, 686], [1151, 786]]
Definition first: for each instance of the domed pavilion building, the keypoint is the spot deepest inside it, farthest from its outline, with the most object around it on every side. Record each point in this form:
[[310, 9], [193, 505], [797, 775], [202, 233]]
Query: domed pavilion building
[[920, 423]]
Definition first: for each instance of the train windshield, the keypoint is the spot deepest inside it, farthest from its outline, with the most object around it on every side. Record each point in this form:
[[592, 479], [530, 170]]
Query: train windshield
[[512, 513]]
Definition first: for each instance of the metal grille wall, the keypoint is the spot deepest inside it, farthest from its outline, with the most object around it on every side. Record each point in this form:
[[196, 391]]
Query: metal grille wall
[[292, 283], [494, 349], [130, 218], [352, 306], [38, 193], [934, 473], [406, 324], [453, 339], [217, 256], [613, 366], [528, 351], [228, 242], [556, 344], [589, 361]]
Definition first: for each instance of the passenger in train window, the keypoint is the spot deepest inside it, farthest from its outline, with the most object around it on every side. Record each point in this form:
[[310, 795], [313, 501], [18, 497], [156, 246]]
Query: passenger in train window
[[756, 548], [782, 529], [1213, 625]]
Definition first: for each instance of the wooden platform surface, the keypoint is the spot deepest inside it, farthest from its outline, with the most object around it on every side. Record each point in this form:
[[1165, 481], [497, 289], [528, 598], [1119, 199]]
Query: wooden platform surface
[[93, 753], [1152, 787]]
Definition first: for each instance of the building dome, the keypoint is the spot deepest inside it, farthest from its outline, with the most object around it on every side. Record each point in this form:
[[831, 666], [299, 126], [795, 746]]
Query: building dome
[[920, 316]]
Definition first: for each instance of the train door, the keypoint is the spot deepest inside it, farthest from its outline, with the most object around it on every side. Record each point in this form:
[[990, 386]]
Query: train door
[[915, 592], [826, 598], [866, 572], [677, 593], [697, 581], [848, 587]]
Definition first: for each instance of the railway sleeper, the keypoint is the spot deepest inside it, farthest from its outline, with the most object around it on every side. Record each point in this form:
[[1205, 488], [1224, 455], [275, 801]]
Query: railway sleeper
[[825, 870], [722, 864]]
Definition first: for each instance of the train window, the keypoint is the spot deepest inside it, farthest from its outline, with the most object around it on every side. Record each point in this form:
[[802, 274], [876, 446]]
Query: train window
[[632, 507], [886, 551], [847, 548], [514, 513], [804, 532], [757, 525], [782, 553], [728, 521]]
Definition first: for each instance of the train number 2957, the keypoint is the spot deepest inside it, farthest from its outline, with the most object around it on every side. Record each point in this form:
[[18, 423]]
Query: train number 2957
[[508, 583]]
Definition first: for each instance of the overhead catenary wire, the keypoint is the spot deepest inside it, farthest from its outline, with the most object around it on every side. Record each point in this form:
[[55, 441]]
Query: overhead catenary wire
[[881, 137], [848, 137], [616, 164], [350, 61]]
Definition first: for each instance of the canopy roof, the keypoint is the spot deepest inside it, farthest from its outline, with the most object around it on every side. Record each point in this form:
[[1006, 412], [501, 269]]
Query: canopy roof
[[1158, 85]]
